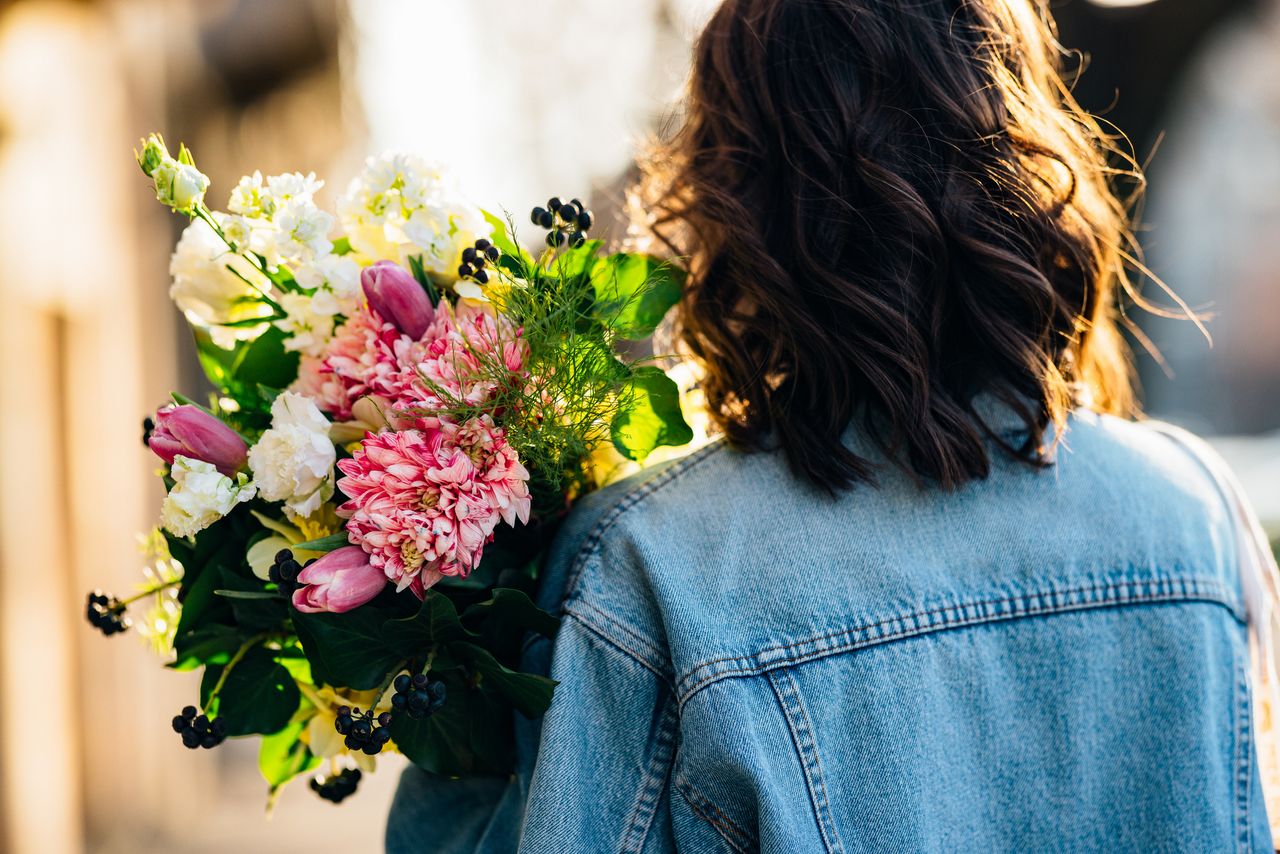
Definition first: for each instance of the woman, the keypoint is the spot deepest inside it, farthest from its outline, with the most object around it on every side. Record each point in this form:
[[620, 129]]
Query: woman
[[931, 591]]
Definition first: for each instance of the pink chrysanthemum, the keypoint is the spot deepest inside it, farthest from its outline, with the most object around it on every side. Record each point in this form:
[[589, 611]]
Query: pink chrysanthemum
[[459, 362], [363, 357], [423, 503]]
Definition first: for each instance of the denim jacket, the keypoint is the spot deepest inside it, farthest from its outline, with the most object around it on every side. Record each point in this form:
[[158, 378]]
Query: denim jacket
[[1048, 660]]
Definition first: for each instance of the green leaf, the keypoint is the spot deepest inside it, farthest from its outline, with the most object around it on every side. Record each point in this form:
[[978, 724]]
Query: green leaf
[[528, 692], [348, 650], [259, 695], [325, 544], [255, 609], [341, 246], [634, 292], [575, 262], [216, 362], [435, 623], [213, 644], [471, 734], [283, 756], [503, 239], [508, 614], [424, 278], [650, 416], [266, 362]]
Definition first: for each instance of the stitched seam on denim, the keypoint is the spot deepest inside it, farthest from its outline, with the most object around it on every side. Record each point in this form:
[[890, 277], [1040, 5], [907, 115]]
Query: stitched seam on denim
[[680, 781], [619, 646], [656, 774], [604, 622], [1242, 753], [704, 809], [788, 698], [961, 615], [591, 544]]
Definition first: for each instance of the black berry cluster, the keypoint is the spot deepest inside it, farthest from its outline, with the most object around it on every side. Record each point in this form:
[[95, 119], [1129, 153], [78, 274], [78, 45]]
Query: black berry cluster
[[197, 730], [337, 787], [568, 221], [474, 259], [363, 731], [284, 572], [106, 613], [417, 696], [148, 426]]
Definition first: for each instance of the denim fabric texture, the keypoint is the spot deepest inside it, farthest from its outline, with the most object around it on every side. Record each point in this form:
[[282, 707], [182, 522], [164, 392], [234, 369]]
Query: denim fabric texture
[[1044, 660]]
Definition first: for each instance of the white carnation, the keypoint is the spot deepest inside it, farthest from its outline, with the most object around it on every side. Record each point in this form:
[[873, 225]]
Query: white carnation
[[209, 293], [201, 495], [293, 461]]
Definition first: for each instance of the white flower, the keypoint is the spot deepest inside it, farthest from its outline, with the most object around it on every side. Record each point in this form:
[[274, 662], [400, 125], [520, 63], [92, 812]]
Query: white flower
[[181, 186], [209, 293], [403, 205], [201, 495], [293, 461], [308, 330], [247, 198], [293, 185], [336, 279]]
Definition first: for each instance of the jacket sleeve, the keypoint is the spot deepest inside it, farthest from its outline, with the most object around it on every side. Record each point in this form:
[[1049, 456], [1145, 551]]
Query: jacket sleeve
[[606, 744]]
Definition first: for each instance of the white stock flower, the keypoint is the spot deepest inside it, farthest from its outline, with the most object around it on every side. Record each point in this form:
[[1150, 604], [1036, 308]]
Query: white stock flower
[[403, 205], [247, 197], [181, 186], [210, 294], [201, 495], [308, 330], [293, 461]]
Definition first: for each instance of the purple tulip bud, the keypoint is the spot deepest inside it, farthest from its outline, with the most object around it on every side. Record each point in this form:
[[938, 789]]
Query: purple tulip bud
[[191, 432], [341, 580], [397, 297]]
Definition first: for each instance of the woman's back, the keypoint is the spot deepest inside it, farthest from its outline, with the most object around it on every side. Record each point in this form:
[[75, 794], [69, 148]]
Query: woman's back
[[1043, 660]]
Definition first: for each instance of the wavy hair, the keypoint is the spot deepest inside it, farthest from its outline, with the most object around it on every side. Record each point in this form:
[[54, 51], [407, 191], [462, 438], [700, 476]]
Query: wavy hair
[[891, 210]]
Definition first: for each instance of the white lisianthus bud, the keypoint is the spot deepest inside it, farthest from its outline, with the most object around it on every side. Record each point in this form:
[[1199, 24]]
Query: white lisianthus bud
[[293, 461], [181, 186], [201, 495]]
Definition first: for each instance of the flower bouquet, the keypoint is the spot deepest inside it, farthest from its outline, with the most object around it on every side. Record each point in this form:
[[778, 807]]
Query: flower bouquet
[[402, 414]]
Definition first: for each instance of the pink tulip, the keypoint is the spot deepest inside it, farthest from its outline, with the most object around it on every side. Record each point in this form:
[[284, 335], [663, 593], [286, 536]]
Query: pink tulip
[[397, 298], [341, 580], [191, 432]]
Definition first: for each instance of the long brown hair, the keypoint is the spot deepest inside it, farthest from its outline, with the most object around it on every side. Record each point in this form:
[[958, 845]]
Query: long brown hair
[[889, 210]]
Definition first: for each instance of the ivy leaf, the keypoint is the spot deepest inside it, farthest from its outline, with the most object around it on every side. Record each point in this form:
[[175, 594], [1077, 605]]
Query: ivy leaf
[[435, 623], [283, 756], [511, 608], [212, 644], [634, 292], [528, 692], [651, 416], [259, 695], [347, 650], [471, 734]]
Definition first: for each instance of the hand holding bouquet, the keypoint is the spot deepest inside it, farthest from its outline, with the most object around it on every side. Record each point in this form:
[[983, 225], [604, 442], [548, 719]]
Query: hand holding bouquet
[[403, 413]]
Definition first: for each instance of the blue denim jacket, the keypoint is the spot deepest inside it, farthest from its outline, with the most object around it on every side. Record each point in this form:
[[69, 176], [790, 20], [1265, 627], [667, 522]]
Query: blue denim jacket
[[1041, 661]]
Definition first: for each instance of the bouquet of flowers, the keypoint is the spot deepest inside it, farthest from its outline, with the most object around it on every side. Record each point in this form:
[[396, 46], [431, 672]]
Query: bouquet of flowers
[[406, 403]]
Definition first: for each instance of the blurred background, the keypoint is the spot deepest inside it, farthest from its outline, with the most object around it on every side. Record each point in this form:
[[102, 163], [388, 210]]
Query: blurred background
[[525, 100]]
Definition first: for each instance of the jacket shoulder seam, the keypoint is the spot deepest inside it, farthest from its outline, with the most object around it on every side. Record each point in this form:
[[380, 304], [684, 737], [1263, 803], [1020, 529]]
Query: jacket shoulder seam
[[592, 543]]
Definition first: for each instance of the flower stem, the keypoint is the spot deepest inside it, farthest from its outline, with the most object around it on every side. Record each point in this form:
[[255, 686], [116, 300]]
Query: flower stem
[[235, 659], [150, 591], [387, 683]]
